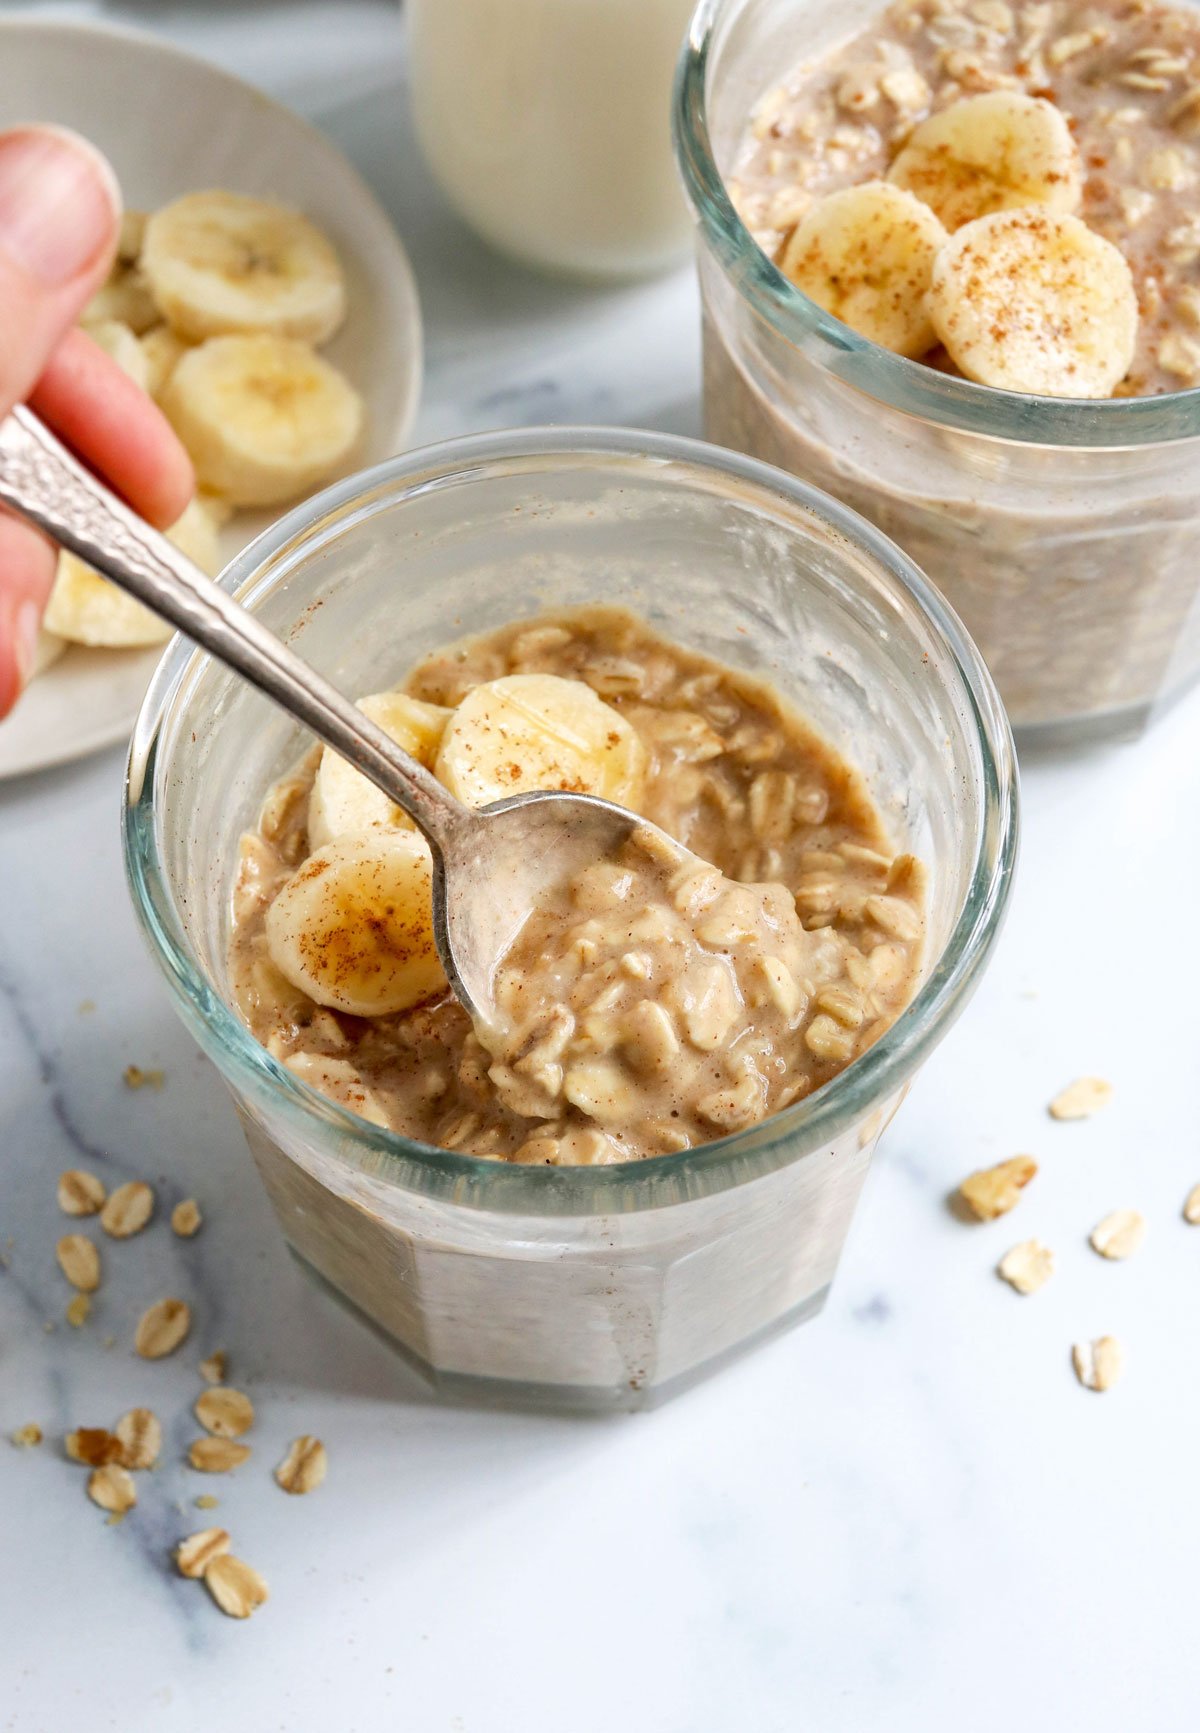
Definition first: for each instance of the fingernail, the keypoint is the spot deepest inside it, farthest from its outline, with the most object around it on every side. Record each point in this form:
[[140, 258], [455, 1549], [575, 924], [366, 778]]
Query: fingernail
[[25, 634], [59, 202]]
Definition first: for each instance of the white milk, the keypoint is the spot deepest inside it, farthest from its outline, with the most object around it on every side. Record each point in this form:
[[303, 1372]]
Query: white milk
[[547, 123]]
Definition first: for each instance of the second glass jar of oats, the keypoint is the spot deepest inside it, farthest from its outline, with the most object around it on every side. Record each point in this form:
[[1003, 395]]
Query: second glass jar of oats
[[1065, 530]]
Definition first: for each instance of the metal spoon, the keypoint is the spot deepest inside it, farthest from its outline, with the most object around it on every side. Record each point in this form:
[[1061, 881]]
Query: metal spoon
[[489, 867]]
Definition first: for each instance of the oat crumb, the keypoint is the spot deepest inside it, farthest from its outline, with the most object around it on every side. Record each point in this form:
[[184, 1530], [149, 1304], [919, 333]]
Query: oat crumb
[[78, 1310], [1120, 1234], [215, 1368], [1027, 1267], [1098, 1364], [993, 1191], [1079, 1100], [1191, 1206], [25, 1437], [136, 1078], [186, 1219]]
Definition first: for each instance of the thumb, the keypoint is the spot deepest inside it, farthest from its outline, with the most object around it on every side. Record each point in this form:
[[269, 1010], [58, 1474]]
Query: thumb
[[59, 211]]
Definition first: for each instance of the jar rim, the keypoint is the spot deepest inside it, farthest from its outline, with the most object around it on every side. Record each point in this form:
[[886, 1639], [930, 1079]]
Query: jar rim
[[509, 1188], [903, 384]]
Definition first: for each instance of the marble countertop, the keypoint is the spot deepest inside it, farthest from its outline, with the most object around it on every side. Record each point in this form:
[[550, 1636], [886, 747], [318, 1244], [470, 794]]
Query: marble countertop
[[906, 1515]]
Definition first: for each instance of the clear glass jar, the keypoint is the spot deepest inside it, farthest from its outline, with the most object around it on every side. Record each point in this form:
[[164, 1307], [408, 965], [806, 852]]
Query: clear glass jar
[[584, 1286], [1065, 533], [547, 124]]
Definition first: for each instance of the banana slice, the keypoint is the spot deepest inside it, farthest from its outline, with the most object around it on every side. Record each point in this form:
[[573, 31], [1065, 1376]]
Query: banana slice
[[125, 298], [130, 236], [1033, 301], [47, 651], [263, 418], [539, 731], [119, 342], [994, 152], [86, 609], [353, 926], [866, 255], [343, 802], [162, 348], [219, 262]]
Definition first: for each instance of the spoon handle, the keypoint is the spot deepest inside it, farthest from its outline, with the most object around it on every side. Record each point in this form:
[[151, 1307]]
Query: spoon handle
[[43, 482]]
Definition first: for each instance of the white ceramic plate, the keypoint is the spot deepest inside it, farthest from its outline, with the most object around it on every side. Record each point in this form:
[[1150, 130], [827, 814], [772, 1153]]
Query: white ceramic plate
[[170, 124]]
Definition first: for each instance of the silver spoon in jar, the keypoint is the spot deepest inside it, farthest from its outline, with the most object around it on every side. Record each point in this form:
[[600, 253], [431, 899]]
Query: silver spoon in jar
[[490, 867]]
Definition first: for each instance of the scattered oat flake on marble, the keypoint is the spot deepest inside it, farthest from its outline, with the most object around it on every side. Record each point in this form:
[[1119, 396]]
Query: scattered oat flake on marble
[[1120, 1234], [140, 1434], [136, 1078], [235, 1586], [206, 1501], [128, 1210], [1191, 1206], [162, 1328], [223, 1411], [1098, 1364], [112, 1488], [79, 1310], [1079, 1100], [194, 1555], [94, 1446], [303, 1468], [1027, 1267], [25, 1437], [993, 1191], [79, 1260], [186, 1219], [214, 1369], [217, 1455], [80, 1193]]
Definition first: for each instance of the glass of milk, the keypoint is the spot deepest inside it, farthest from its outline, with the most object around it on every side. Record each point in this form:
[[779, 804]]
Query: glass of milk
[[547, 125]]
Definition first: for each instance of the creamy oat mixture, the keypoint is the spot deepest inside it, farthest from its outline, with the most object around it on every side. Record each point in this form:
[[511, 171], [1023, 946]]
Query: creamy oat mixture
[[1125, 75], [662, 1000]]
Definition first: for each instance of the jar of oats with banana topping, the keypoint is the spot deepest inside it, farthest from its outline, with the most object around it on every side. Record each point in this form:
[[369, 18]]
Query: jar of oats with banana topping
[[950, 272]]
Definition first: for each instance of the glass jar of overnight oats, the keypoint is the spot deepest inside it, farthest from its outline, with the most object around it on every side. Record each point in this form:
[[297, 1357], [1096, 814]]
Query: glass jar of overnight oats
[[580, 1285], [1065, 531]]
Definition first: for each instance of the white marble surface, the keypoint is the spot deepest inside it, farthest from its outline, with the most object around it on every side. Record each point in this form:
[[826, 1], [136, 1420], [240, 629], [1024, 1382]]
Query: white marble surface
[[906, 1515]]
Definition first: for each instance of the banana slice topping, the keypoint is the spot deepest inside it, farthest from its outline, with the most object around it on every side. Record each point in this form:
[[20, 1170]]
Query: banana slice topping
[[221, 262], [353, 926], [343, 802], [994, 152], [866, 255], [1032, 300], [539, 731]]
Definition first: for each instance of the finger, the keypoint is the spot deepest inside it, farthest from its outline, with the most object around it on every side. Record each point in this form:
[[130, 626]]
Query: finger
[[27, 563], [114, 427], [59, 214]]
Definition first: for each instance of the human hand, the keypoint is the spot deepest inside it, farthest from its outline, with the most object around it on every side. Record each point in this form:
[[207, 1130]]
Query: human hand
[[59, 215]]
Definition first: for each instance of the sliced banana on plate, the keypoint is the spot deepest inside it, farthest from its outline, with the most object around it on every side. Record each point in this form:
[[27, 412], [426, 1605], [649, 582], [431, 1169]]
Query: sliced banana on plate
[[353, 926], [866, 255], [263, 418], [122, 346], [539, 731], [126, 298], [220, 262], [995, 152], [343, 802], [1032, 300], [48, 649], [86, 609], [161, 349]]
